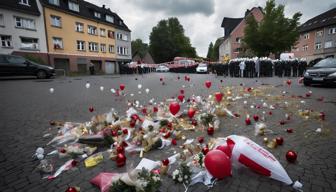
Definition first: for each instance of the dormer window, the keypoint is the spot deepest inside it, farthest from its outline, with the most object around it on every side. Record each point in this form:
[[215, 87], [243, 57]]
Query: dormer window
[[24, 2], [73, 6], [110, 18], [54, 2], [96, 14]]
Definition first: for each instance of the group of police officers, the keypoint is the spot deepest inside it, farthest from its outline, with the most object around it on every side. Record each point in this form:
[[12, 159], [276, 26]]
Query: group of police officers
[[243, 67]]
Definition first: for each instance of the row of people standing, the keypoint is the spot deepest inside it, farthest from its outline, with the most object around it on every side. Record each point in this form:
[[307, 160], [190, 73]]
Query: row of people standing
[[261, 68]]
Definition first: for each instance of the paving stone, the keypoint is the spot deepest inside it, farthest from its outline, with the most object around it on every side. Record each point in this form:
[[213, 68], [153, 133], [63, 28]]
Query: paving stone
[[24, 120]]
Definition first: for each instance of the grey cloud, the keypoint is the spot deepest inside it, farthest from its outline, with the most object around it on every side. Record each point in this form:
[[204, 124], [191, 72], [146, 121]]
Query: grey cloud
[[201, 19], [332, 5], [177, 7]]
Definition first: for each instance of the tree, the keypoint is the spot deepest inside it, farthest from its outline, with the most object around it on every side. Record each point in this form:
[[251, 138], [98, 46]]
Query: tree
[[210, 51], [167, 40], [216, 49], [274, 34], [138, 47]]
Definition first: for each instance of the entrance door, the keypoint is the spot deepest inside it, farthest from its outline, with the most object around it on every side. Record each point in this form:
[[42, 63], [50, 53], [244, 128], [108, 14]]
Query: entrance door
[[62, 64], [97, 66], [110, 67]]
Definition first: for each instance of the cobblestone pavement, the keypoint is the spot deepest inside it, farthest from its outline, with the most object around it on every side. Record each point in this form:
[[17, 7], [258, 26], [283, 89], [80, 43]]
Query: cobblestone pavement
[[27, 106]]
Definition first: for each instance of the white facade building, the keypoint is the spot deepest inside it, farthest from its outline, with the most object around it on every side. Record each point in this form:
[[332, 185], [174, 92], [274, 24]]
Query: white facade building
[[224, 50], [22, 27]]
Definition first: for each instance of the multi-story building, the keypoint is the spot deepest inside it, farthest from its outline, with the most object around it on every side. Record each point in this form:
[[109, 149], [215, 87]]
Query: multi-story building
[[22, 29], [80, 34], [317, 37], [123, 44], [231, 46]]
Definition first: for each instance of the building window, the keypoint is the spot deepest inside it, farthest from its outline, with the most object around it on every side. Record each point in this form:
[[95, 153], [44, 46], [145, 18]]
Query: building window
[[54, 2], [328, 44], [29, 43], [119, 36], [111, 34], [80, 45], [238, 40], [102, 32], [24, 2], [73, 6], [122, 50], [332, 30], [96, 14], [58, 43], [111, 48], [318, 46], [92, 30], [305, 48], [79, 27], [319, 33], [2, 22], [125, 37], [55, 21], [93, 46], [102, 47], [110, 18], [24, 23], [6, 41], [306, 36]]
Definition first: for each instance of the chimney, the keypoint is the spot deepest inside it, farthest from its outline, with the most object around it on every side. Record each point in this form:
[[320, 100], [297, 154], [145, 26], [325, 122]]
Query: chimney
[[103, 6]]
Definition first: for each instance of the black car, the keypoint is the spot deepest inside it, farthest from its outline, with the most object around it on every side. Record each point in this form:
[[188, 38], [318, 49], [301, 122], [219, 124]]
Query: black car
[[12, 65], [323, 72]]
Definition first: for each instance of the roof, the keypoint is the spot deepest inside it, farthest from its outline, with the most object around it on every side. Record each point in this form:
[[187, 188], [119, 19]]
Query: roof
[[229, 24], [87, 10], [323, 20], [14, 5], [146, 59]]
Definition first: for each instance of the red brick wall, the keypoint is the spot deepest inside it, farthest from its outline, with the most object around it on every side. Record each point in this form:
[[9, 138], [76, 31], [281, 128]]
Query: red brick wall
[[300, 53], [238, 32]]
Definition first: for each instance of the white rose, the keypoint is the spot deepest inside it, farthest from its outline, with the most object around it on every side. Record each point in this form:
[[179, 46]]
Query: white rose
[[186, 177], [180, 179], [176, 172], [144, 184]]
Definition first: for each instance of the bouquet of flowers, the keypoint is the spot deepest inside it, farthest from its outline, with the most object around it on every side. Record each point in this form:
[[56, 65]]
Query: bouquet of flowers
[[182, 175], [145, 181]]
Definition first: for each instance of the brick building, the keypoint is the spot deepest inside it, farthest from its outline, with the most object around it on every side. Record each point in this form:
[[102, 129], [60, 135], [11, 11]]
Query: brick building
[[317, 37], [234, 28]]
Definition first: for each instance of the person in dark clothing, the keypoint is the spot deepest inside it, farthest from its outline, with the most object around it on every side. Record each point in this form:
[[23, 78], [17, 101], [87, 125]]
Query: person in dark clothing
[[287, 67], [91, 68], [295, 66], [281, 68], [302, 67], [226, 69]]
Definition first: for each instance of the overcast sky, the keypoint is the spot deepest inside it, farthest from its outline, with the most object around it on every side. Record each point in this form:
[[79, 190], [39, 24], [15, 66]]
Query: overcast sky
[[201, 19]]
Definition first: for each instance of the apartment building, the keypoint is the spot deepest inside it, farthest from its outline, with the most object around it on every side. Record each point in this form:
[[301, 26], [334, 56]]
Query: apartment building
[[80, 34], [231, 46], [317, 37], [123, 46], [22, 29]]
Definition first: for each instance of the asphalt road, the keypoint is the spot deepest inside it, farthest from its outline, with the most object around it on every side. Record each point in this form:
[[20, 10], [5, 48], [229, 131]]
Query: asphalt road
[[27, 106]]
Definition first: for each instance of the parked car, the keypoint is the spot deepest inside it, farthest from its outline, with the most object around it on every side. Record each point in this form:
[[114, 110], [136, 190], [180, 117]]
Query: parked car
[[12, 65], [162, 68], [323, 72], [202, 68]]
